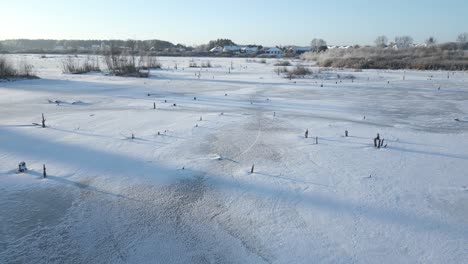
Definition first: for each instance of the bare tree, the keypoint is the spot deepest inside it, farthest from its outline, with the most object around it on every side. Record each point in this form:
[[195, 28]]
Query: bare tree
[[122, 63], [22, 70], [25, 69], [431, 41], [381, 41], [146, 61], [131, 44], [403, 42], [315, 44], [73, 66], [463, 38]]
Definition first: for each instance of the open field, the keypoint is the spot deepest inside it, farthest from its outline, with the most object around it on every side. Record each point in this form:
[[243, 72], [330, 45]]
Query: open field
[[187, 194]]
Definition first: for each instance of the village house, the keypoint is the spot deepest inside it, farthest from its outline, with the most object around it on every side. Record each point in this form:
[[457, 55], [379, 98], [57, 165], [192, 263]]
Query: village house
[[217, 49], [273, 52], [298, 50], [249, 50], [232, 49]]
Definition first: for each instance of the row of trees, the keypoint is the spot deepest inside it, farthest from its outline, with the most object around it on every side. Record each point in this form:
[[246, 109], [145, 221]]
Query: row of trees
[[383, 41], [14, 45], [160, 45], [400, 41], [50, 44], [220, 43], [407, 41]]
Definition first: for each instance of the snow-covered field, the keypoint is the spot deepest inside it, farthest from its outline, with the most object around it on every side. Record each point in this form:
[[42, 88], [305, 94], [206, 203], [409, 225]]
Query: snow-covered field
[[187, 194]]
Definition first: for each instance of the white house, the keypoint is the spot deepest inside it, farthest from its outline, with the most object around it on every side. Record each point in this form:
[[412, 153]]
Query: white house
[[299, 50], [231, 49], [249, 50], [273, 52], [216, 49]]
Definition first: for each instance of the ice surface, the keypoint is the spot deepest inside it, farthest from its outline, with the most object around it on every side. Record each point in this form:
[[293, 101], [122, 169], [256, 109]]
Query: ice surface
[[187, 195]]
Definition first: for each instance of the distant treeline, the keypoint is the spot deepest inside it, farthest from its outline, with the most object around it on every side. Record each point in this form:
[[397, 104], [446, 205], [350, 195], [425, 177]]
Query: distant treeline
[[447, 56], [38, 45]]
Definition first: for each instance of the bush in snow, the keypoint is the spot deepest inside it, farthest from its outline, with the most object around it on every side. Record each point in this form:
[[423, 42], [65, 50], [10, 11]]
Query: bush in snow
[[283, 63], [6, 68], [206, 64], [123, 64], [73, 66], [23, 69], [280, 70], [298, 71], [149, 62]]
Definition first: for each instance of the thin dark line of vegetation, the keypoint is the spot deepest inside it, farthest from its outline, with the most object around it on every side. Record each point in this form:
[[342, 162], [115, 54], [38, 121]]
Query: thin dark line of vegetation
[[437, 57]]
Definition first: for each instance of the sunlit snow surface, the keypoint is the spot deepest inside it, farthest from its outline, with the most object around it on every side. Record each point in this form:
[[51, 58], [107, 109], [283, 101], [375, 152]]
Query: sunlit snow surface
[[187, 195]]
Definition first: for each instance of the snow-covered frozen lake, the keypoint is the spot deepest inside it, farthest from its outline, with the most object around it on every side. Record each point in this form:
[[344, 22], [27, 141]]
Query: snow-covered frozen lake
[[187, 194]]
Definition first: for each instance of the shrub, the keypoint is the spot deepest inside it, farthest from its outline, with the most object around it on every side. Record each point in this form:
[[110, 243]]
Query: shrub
[[283, 63], [149, 62], [298, 71], [8, 71], [73, 66], [206, 64], [123, 64], [280, 70], [25, 70]]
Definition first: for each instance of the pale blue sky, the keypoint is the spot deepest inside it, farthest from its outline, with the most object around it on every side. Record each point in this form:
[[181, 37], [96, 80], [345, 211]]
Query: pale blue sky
[[248, 22]]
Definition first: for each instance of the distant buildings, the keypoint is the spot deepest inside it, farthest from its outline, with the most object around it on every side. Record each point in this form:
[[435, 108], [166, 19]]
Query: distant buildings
[[234, 49], [273, 52], [339, 47], [250, 49], [298, 50], [93, 48], [227, 50], [217, 49]]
